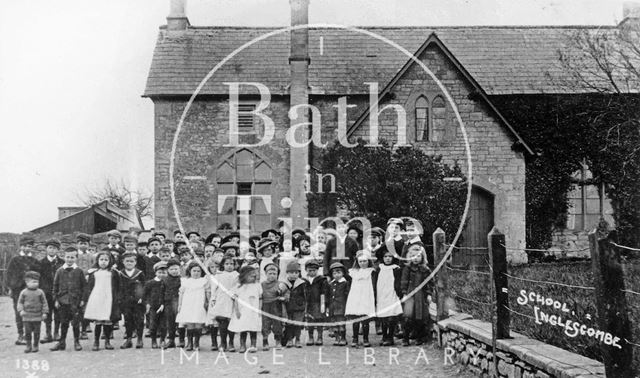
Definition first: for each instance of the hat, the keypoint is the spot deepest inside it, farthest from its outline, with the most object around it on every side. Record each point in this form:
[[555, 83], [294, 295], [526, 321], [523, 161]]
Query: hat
[[218, 250], [52, 242], [158, 233], [27, 239], [417, 242], [337, 265], [293, 266], [184, 249], [83, 238], [230, 245], [231, 235], [130, 239], [210, 238], [271, 266], [70, 249], [172, 262], [169, 241], [179, 243], [153, 239], [265, 233], [165, 249], [377, 231], [115, 233], [312, 264], [254, 240], [264, 243], [176, 232], [129, 254], [298, 231], [199, 251], [192, 233], [32, 275], [159, 265], [143, 244], [356, 228], [397, 221]]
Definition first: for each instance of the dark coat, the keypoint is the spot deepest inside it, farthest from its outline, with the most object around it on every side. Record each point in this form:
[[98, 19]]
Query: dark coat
[[131, 289], [115, 285], [18, 265], [315, 290], [69, 285], [153, 293], [171, 288], [48, 271], [397, 278], [412, 276], [330, 254], [338, 297], [150, 261], [297, 295]]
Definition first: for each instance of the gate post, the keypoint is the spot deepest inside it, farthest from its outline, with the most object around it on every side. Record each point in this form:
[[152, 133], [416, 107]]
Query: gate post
[[439, 251], [498, 262]]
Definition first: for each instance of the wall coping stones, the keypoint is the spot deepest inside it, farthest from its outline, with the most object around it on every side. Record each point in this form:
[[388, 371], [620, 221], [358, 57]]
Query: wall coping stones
[[554, 360]]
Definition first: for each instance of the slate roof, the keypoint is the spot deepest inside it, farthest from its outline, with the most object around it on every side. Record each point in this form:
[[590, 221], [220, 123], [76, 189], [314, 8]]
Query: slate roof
[[503, 60]]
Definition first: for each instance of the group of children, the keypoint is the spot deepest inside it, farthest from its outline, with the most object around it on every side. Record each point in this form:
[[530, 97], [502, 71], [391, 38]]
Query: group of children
[[187, 288]]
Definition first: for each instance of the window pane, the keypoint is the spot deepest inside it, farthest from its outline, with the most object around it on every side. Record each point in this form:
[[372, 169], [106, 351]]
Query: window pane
[[225, 188], [263, 172], [226, 204], [593, 206], [261, 204], [438, 102], [245, 173], [244, 189], [421, 113], [244, 157], [225, 172], [422, 102], [261, 188], [421, 131]]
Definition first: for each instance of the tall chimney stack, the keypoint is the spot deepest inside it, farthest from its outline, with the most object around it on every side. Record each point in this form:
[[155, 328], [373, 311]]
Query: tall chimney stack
[[299, 95], [177, 19]]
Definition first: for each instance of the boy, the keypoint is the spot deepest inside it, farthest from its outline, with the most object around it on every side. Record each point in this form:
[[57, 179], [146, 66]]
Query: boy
[[114, 237], [170, 300], [338, 300], [297, 304], [130, 246], [143, 248], [164, 254], [68, 288], [168, 243], [85, 262], [159, 235], [49, 265], [130, 294], [153, 299], [274, 295], [18, 266], [317, 294], [266, 247], [93, 249], [32, 305]]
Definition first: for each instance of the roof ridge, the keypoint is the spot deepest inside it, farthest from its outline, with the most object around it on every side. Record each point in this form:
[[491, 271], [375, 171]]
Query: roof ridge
[[398, 27]]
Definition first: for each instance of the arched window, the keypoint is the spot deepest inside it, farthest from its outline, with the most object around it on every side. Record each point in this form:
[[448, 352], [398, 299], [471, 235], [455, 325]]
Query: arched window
[[422, 119], [587, 202], [244, 191], [438, 120]]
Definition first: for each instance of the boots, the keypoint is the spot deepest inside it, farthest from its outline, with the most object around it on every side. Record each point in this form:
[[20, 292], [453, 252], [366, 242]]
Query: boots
[[169, 344], [365, 341], [154, 342], [310, 339], [76, 345], [35, 348], [60, 345], [127, 344], [319, 339], [181, 332], [96, 346], [243, 342], [354, 341], [56, 335], [342, 338], [20, 340], [196, 339], [189, 340], [214, 339], [139, 344], [28, 344], [253, 336], [265, 343]]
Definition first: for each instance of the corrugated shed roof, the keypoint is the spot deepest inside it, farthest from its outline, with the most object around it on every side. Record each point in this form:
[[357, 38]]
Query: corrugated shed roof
[[503, 60]]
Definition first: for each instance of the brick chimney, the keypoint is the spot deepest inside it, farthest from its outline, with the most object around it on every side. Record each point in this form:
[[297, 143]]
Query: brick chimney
[[177, 19], [299, 94]]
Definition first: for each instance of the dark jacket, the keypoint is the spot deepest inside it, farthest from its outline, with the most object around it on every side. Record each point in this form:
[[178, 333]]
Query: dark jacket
[[48, 271], [153, 293], [131, 288], [115, 285], [297, 295], [171, 288], [315, 290], [338, 297], [69, 285], [397, 277], [18, 265], [150, 261], [412, 277], [331, 251]]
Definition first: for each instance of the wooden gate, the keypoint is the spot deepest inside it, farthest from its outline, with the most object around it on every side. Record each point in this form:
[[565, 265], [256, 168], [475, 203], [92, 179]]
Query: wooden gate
[[479, 223]]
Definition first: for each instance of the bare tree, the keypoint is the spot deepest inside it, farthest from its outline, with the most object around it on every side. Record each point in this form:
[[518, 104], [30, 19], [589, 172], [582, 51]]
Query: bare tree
[[121, 196]]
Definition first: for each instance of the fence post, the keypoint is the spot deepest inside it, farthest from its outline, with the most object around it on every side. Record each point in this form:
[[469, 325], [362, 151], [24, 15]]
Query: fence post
[[611, 301], [498, 262], [439, 252]]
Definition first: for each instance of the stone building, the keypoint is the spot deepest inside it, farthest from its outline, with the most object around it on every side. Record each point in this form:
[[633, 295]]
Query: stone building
[[218, 187]]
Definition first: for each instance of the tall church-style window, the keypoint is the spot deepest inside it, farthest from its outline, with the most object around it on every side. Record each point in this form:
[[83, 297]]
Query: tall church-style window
[[422, 119], [438, 120], [587, 202], [244, 192]]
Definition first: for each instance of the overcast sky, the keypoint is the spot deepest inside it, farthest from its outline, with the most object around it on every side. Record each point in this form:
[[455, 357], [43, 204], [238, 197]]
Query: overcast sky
[[72, 72]]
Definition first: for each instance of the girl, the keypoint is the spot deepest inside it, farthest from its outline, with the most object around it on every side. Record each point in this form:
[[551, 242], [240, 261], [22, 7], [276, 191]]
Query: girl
[[101, 298], [246, 316], [388, 296], [221, 305], [416, 306], [361, 299], [192, 305], [212, 323]]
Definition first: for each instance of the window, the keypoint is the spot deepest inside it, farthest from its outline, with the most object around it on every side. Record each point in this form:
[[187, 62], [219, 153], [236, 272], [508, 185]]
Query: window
[[587, 202], [438, 120], [422, 119], [245, 116], [244, 192]]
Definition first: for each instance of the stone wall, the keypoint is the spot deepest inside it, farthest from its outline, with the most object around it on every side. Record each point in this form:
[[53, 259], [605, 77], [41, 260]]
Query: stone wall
[[469, 343]]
